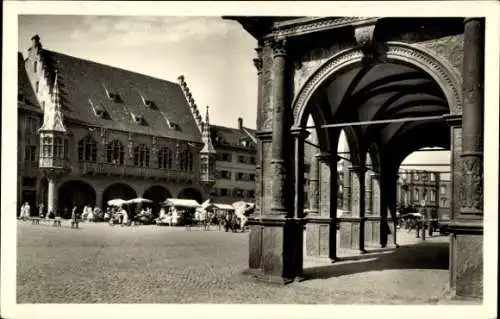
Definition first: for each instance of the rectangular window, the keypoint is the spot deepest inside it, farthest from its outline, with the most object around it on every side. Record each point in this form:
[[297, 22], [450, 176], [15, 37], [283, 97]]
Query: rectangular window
[[223, 192], [30, 153], [252, 160], [241, 159], [252, 177], [240, 177], [443, 190], [226, 157], [29, 182], [251, 194]]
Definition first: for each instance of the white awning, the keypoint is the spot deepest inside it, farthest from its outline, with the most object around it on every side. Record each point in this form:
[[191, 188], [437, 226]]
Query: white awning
[[179, 202], [224, 206]]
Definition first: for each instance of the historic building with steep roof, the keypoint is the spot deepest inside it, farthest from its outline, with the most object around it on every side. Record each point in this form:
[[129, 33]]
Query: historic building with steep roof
[[91, 132]]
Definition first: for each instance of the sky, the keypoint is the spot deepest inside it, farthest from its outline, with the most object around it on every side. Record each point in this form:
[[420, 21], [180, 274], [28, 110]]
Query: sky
[[213, 54]]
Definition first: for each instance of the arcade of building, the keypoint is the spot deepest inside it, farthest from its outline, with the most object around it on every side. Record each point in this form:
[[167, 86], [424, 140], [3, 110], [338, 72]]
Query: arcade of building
[[394, 86]]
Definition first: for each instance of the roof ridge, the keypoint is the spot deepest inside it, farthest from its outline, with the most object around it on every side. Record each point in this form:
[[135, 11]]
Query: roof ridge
[[111, 66]]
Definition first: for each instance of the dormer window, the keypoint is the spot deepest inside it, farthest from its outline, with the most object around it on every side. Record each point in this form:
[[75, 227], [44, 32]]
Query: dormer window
[[98, 109], [137, 118], [114, 96], [148, 103]]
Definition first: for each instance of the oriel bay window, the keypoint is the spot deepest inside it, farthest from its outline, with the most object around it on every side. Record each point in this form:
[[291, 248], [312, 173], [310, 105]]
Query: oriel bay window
[[141, 156], [165, 158], [115, 153], [87, 150], [47, 145]]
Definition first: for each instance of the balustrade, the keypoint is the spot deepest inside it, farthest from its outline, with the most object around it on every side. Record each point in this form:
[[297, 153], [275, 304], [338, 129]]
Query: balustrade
[[86, 168]]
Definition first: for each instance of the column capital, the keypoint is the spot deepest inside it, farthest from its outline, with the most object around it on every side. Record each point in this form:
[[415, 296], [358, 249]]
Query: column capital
[[358, 169], [323, 156], [279, 47], [453, 119], [299, 132], [257, 62]]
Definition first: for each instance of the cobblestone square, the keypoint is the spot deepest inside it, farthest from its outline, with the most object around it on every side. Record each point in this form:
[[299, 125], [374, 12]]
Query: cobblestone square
[[148, 264]]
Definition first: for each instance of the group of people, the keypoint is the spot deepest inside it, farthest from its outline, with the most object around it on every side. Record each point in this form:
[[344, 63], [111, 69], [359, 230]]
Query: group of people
[[25, 212]]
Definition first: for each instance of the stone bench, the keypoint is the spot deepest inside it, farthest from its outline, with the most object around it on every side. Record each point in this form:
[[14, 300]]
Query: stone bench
[[74, 223], [57, 222]]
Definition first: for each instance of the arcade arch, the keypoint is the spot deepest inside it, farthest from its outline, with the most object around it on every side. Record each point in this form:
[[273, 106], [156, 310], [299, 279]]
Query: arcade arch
[[75, 193], [117, 190]]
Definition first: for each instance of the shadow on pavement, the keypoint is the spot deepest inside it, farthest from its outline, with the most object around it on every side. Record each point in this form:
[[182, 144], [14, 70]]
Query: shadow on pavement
[[427, 255]]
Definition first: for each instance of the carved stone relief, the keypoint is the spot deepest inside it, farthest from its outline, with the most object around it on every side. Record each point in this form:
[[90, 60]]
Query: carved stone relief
[[450, 48], [471, 193], [311, 61]]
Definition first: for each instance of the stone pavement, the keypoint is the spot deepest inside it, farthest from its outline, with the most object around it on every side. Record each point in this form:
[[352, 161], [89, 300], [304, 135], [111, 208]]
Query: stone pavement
[[149, 264]]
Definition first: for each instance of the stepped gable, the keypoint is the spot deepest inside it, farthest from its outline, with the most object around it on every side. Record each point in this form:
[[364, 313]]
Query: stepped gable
[[113, 98]]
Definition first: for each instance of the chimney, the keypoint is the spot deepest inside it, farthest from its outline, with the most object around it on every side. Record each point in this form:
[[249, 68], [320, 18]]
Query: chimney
[[240, 123]]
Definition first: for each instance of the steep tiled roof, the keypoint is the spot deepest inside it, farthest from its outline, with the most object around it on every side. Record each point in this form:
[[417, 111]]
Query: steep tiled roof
[[26, 97], [230, 137], [85, 91]]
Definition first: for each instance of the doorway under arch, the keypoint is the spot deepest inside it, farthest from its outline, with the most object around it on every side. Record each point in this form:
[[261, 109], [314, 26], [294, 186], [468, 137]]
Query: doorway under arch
[[191, 193], [75, 193]]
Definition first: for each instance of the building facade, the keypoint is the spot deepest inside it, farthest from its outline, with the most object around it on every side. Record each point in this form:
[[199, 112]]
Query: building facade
[[420, 187], [90, 132]]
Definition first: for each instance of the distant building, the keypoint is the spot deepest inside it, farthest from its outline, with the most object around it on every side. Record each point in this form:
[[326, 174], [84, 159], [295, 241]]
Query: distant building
[[90, 132], [416, 187], [235, 163]]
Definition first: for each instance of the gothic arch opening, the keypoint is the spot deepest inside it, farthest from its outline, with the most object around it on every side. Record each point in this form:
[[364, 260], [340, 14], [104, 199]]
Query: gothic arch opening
[[75, 193], [191, 193], [117, 190]]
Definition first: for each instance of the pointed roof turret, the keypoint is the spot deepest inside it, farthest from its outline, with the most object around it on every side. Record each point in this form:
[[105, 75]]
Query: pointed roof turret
[[207, 140], [52, 115]]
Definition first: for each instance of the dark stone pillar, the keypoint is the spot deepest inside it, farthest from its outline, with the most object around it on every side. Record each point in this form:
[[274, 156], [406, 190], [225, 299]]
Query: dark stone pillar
[[255, 236], [467, 225], [281, 233], [358, 208], [280, 129]]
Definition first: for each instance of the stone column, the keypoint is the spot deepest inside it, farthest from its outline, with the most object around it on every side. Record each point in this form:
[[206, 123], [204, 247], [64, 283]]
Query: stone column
[[358, 204], [299, 135], [368, 193], [346, 188], [258, 187], [51, 194], [279, 162], [467, 226], [314, 186], [281, 234]]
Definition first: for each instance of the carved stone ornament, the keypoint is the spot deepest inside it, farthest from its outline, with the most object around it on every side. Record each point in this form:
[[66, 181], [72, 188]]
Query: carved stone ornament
[[402, 52], [364, 35], [471, 194], [279, 47], [257, 62]]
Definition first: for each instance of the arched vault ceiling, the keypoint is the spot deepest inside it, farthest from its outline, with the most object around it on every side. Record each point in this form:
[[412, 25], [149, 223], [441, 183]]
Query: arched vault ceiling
[[385, 91]]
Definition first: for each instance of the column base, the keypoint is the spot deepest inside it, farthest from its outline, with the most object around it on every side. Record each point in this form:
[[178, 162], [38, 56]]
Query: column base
[[372, 231], [319, 238], [350, 230], [466, 264], [276, 249]]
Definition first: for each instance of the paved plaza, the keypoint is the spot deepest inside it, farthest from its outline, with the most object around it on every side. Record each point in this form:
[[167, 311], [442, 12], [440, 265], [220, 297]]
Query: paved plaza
[[148, 264]]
